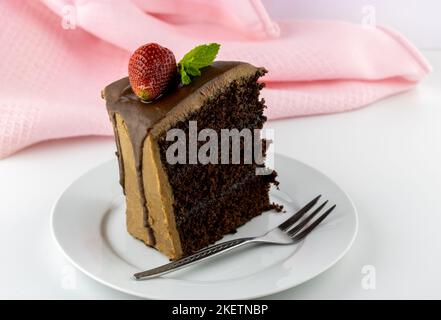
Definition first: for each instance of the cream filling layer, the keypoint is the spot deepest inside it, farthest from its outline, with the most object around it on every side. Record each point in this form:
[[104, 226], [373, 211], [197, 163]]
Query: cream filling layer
[[157, 192], [159, 201]]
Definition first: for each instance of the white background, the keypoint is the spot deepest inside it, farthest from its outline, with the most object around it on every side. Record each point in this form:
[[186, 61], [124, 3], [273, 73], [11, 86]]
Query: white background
[[386, 156], [418, 20]]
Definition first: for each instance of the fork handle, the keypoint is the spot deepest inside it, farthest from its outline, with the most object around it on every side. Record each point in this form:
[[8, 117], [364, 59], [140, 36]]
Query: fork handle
[[201, 255]]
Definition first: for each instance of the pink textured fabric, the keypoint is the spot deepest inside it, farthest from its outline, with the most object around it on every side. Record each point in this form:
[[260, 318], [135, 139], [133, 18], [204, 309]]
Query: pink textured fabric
[[51, 77]]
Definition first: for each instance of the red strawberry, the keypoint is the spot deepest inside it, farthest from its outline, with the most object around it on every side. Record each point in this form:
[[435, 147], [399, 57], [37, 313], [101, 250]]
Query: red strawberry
[[151, 69]]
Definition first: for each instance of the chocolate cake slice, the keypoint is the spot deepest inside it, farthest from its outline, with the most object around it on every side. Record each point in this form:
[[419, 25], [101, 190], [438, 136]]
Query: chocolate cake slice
[[179, 208]]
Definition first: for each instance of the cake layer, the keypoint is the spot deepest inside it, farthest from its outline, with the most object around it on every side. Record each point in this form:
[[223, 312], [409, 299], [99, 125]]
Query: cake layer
[[236, 106], [209, 221]]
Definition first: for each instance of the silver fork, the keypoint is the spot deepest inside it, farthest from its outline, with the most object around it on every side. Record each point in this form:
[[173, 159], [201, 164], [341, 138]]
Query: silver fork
[[287, 232]]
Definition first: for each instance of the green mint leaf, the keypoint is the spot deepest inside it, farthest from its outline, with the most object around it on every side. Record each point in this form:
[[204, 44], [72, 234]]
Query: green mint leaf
[[194, 72], [185, 79], [198, 58], [201, 56]]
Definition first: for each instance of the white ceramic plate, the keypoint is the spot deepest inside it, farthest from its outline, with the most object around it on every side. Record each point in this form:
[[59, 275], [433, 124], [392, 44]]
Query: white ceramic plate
[[88, 222]]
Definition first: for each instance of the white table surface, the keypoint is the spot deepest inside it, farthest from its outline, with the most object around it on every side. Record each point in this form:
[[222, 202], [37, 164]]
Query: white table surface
[[386, 156]]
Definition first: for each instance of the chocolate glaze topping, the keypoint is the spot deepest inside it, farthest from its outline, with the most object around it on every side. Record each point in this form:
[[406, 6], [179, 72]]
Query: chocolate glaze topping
[[140, 117]]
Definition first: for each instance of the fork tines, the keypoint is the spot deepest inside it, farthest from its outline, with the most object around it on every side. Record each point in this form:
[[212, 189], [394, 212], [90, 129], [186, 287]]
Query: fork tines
[[298, 228]]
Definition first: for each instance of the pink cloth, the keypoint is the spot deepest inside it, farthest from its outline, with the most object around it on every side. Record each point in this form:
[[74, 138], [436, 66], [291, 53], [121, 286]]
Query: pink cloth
[[51, 78]]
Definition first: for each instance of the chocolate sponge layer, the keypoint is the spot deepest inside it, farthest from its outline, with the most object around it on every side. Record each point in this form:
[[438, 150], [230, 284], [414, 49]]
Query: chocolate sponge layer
[[214, 199]]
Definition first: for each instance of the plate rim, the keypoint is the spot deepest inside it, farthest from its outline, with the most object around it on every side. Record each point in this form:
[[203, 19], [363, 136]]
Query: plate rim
[[255, 296]]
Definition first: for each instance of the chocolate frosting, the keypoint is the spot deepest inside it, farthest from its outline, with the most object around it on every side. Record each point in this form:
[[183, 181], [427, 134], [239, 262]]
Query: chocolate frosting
[[140, 117]]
